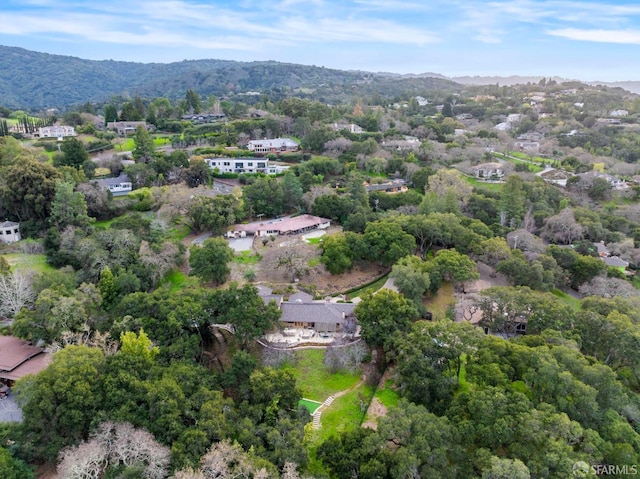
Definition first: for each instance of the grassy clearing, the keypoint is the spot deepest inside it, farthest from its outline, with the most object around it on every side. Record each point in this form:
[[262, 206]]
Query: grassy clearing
[[105, 224], [178, 232], [177, 280], [315, 381], [314, 240], [246, 257], [388, 396], [484, 184], [442, 303], [568, 299], [313, 262], [370, 288], [161, 141], [344, 414], [33, 262], [126, 145]]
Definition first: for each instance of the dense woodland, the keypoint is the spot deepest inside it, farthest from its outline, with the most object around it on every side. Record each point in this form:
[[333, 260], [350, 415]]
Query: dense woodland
[[142, 385]]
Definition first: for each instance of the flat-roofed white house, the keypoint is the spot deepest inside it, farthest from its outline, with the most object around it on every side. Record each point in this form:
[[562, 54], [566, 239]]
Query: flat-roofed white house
[[56, 131], [119, 186], [9, 232], [126, 127], [275, 145], [245, 165]]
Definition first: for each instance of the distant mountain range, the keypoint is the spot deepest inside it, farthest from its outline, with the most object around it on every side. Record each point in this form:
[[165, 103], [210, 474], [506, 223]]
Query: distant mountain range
[[34, 80], [632, 86]]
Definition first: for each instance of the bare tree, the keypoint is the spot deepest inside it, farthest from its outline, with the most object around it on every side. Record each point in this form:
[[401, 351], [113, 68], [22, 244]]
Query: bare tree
[[608, 288], [16, 292], [115, 444], [562, 228]]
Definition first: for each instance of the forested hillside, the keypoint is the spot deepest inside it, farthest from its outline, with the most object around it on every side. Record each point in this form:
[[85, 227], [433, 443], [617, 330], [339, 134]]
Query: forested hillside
[[36, 80]]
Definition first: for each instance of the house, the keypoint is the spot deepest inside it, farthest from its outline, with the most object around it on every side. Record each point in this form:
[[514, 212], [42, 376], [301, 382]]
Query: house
[[612, 261], [488, 171], [527, 145], [422, 101], [56, 131], [19, 358], [126, 127], [616, 262], [530, 136], [202, 118], [557, 177], [9, 232], [350, 127], [285, 226], [275, 145], [245, 165], [302, 312], [119, 186], [619, 113], [395, 186], [615, 182]]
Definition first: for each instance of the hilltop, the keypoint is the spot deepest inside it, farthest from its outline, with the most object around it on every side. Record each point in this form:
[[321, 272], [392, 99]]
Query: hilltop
[[37, 80]]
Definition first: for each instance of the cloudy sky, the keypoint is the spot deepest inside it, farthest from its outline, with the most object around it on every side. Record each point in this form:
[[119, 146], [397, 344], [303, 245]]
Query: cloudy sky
[[584, 39]]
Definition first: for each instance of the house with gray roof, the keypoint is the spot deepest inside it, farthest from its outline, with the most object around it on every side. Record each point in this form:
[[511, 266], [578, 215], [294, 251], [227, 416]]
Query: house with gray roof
[[119, 186]]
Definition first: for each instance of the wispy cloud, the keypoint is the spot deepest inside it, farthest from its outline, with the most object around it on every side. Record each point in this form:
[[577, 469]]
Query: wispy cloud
[[600, 36]]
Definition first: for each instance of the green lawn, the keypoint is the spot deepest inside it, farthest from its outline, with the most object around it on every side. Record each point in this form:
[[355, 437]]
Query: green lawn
[[344, 414], [315, 381], [570, 300], [388, 396], [314, 240], [34, 262], [177, 280], [246, 257], [483, 184], [440, 305], [126, 145]]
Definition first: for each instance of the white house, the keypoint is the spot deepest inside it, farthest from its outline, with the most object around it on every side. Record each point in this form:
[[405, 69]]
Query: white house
[[619, 113], [350, 127], [488, 171], [119, 186], [9, 232], [126, 127], [56, 131], [245, 165], [275, 145]]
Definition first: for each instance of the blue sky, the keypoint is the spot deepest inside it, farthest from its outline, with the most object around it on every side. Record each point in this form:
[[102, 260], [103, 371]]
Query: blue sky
[[584, 39]]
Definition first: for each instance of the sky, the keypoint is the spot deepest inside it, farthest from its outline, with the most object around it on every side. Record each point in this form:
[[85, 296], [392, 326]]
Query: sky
[[589, 40]]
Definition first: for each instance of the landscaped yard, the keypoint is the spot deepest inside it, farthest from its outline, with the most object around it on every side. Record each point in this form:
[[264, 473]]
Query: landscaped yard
[[345, 414], [34, 262], [315, 381], [443, 302], [568, 299], [246, 257], [484, 184], [370, 288]]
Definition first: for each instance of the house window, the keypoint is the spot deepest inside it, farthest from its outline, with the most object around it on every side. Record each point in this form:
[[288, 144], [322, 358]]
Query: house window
[[239, 166], [250, 163], [226, 163], [262, 165]]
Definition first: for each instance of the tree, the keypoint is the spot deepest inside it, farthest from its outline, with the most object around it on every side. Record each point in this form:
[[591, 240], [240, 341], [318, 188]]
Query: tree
[[12, 468], [74, 154], [291, 191], [197, 174], [27, 190], [411, 278], [337, 256], [383, 316], [248, 313], [16, 292], [110, 113], [193, 101], [386, 243], [214, 214], [501, 468], [138, 345], [455, 267], [209, 261], [562, 228], [144, 147], [61, 402], [264, 197], [68, 208]]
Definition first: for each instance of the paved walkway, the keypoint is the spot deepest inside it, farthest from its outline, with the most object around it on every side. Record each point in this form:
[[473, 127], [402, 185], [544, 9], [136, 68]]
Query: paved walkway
[[317, 415]]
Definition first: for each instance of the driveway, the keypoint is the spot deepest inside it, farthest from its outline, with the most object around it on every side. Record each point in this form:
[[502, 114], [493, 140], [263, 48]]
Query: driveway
[[241, 244]]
